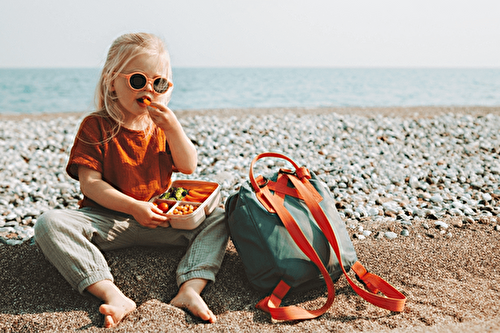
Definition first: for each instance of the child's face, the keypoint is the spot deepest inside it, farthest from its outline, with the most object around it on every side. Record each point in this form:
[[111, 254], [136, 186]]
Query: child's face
[[128, 98]]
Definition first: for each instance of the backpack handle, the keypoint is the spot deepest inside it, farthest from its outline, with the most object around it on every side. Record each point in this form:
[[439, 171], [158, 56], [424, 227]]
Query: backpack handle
[[255, 186]]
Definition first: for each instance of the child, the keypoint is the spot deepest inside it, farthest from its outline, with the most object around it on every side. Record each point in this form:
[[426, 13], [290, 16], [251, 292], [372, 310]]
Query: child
[[123, 155]]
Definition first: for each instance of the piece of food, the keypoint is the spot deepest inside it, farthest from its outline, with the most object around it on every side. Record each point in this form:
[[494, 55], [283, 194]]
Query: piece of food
[[144, 100], [199, 194], [196, 196], [206, 189], [184, 209], [163, 206], [175, 193], [193, 199]]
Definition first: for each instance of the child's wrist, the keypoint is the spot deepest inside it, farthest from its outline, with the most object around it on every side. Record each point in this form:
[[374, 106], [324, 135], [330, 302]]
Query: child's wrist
[[171, 127], [134, 207]]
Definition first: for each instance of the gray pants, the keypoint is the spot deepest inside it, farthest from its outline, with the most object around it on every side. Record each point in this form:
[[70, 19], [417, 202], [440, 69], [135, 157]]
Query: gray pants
[[72, 241]]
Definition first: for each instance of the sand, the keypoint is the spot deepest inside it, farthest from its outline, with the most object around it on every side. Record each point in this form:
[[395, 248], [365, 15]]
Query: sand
[[452, 283]]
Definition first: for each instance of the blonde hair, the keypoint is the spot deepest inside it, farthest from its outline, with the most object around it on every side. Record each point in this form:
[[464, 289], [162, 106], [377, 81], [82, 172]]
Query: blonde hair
[[121, 52]]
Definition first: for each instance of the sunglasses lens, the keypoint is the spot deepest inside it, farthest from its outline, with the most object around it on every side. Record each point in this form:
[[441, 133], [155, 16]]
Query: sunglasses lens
[[160, 85], [138, 81]]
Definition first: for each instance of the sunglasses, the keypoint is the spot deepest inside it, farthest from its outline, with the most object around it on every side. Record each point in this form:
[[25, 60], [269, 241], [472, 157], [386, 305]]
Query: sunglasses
[[137, 81]]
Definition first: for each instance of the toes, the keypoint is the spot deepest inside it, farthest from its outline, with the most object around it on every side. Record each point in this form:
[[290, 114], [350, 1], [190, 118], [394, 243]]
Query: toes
[[204, 314], [198, 310], [210, 317], [109, 322], [108, 312]]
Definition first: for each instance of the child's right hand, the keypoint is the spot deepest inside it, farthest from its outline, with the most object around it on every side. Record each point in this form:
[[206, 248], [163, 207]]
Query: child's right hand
[[92, 185], [148, 215]]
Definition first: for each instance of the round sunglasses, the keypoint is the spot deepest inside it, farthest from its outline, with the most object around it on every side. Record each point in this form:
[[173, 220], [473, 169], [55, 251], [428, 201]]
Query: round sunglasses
[[137, 81]]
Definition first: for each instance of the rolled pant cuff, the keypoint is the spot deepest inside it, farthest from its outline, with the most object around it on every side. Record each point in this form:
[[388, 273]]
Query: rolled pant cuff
[[95, 277], [205, 275]]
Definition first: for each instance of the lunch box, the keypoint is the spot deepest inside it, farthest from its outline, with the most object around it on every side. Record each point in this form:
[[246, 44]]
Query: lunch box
[[202, 210]]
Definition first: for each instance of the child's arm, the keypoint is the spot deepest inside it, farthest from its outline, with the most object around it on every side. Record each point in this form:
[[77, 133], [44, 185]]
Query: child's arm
[[182, 149], [94, 187]]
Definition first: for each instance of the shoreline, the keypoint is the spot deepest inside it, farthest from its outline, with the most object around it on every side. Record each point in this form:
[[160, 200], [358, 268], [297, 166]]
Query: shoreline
[[392, 111], [418, 188]]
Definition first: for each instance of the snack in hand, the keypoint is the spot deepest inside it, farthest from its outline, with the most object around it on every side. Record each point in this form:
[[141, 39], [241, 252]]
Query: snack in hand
[[145, 100]]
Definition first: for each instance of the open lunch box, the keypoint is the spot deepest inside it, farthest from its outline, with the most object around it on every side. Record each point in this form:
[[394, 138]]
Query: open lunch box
[[189, 202]]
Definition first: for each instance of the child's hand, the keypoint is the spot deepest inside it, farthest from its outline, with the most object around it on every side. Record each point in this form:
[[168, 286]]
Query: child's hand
[[162, 116], [182, 149], [148, 215]]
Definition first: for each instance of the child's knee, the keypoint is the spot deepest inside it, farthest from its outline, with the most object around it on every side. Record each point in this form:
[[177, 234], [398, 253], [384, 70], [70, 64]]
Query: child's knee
[[216, 225], [48, 223], [216, 217]]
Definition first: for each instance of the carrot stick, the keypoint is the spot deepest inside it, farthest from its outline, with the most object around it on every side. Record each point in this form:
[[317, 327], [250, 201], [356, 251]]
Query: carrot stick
[[190, 198], [196, 194]]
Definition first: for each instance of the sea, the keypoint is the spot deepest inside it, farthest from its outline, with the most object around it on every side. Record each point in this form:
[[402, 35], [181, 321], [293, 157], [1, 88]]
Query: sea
[[49, 90]]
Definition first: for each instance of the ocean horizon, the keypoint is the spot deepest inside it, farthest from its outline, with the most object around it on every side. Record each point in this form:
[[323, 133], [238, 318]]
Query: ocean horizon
[[50, 90]]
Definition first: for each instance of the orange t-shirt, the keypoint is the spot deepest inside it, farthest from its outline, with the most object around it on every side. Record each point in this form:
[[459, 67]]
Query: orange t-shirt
[[136, 163]]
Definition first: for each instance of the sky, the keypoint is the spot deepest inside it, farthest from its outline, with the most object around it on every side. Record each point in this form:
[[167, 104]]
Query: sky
[[257, 33]]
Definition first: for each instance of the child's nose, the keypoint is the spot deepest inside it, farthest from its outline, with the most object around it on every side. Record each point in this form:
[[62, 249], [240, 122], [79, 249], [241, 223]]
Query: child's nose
[[149, 86]]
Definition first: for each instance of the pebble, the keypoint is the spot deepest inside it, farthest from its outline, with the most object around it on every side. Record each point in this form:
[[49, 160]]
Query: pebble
[[436, 199], [469, 220], [390, 234], [380, 168], [441, 225]]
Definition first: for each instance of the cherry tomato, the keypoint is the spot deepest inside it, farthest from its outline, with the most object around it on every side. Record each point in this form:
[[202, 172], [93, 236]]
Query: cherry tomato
[[163, 206]]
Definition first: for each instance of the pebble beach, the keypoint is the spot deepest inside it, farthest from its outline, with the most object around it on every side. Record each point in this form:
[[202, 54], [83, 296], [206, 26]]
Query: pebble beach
[[412, 164], [400, 176]]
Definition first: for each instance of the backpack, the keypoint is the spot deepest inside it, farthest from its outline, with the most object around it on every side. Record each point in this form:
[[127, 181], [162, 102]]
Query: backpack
[[288, 234]]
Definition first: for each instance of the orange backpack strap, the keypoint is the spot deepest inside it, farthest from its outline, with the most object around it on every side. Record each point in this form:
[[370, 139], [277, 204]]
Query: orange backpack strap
[[393, 299], [271, 303]]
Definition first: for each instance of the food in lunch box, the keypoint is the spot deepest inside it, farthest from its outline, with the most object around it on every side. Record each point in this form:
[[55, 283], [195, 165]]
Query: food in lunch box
[[175, 193], [163, 206], [199, 194], [183, 209], [193, 198]]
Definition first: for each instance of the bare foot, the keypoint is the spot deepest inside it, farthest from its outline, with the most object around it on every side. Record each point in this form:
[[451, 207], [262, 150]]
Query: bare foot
[[116, 305], [114, 313], [189, 298]]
